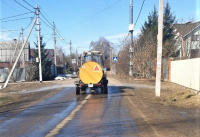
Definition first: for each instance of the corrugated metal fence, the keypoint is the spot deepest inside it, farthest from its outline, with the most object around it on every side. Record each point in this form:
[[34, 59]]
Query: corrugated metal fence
[[18, 74]]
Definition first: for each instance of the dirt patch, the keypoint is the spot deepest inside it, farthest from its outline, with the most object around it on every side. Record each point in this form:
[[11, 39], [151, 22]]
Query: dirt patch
[[19, 102], [14, 96]]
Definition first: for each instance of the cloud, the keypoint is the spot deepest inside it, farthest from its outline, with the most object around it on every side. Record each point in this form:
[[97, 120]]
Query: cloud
[[136, 33], [117, 36], [5, 37], [115, 39]]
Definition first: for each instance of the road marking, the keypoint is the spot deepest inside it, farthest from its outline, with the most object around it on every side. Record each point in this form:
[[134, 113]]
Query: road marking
[[70, 117], [142, 115]]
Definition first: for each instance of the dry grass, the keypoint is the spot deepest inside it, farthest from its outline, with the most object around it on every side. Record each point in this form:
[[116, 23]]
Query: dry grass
[[171, 94], [9, 97]]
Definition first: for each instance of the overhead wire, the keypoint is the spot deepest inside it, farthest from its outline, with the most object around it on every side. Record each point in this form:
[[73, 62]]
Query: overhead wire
[[50, 25], [10, 7], [93, 15], [46, 23], [29, 23], [7, 11], [23, 6], [28, 4], [15, 16], [61, 37], [46, 14], [16, 19], [46, 19], [14, 10], [10, 30], [139, 12]]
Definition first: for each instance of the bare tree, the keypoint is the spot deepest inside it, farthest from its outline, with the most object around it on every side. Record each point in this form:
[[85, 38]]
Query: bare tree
[[104, 46]]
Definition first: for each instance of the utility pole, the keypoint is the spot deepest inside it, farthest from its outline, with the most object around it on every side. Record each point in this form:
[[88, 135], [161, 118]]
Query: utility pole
[[111, 59], [39, 50], [20, 52], [16, 46], [70, 47], [159, 49], [131, 28], [77, 57], [23, 58], [54, 37]]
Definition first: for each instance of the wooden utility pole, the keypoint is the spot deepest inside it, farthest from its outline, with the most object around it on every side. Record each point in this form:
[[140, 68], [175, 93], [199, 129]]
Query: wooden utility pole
[[159, 49], [70, 48]]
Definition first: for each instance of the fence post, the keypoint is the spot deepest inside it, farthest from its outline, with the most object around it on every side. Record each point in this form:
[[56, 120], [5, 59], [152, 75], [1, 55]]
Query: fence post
[[169, 69]]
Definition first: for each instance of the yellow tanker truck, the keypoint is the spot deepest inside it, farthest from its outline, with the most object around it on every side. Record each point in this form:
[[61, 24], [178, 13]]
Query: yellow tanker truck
[[92, 73]]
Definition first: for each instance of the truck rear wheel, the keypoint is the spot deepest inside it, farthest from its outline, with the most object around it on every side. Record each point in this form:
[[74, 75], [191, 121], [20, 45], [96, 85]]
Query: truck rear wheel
[[78, 90], [104, 89]]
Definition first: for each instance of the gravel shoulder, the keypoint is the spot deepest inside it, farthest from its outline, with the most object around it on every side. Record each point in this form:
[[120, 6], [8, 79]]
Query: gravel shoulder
[[172, 94]]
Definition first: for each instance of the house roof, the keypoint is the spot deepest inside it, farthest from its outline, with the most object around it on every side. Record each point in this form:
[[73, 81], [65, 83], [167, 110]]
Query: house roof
[[185, 29]]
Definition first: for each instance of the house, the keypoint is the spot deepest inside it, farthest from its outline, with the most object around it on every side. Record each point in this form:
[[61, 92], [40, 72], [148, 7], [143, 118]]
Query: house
[[9, 51], [50, 56], [187, 37]]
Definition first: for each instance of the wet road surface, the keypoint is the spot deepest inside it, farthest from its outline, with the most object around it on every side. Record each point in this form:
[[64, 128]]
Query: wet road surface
[[66, 114], [89, 114]]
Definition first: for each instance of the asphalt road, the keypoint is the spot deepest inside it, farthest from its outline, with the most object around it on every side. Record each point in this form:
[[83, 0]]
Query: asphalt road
[[66, 114]]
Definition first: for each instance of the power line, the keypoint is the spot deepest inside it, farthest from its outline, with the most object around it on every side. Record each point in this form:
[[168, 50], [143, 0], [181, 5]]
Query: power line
[[10, 30], [7, 11], [42, 11], [61, 37], [10, 7], [28, 4], [29, 23], [93, 15], [17, 29], [46, 19], [46, 15], [22, 5], [16, 19], [46, 23], [15, 9], [16, 16], [139, 12]]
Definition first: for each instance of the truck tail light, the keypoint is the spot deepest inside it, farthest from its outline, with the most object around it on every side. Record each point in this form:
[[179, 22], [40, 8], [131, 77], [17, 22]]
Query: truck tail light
[[98, 84], [82, 85]]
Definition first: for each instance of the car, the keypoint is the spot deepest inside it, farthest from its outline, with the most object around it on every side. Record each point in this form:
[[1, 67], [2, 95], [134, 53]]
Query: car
[[59, 77]]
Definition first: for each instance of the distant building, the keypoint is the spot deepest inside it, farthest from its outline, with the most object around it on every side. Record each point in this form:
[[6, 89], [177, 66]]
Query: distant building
[[50, 53], [9, 51], [188, 39]]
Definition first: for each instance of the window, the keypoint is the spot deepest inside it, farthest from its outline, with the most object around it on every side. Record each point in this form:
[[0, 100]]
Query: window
[[195, 37]]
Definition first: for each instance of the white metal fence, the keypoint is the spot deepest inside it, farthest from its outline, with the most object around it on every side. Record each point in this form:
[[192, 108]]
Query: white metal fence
[[186, 73]]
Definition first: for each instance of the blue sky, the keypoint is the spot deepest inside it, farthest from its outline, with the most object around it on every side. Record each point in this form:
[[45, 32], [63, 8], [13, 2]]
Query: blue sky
[[83, 21]]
